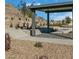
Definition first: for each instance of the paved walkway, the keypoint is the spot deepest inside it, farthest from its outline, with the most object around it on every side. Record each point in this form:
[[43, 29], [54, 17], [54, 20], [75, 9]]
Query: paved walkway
[[51, 35], [21, 35]]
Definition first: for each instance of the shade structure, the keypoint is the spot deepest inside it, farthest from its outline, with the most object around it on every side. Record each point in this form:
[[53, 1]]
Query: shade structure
[[48, 8], [54, 7]]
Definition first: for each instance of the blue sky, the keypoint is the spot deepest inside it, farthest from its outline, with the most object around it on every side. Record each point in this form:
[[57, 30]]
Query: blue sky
[[55, 16]]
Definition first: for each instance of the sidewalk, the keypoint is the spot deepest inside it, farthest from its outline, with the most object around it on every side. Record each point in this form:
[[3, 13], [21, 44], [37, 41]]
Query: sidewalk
[[20, 35]]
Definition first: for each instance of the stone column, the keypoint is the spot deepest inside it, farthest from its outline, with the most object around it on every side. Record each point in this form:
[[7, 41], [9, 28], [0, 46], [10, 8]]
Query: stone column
[[33, 23]]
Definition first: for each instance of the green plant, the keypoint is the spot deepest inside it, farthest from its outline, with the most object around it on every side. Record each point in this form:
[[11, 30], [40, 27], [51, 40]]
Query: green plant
[[11, 25], [71, 32], [68, 20], [63, 22]]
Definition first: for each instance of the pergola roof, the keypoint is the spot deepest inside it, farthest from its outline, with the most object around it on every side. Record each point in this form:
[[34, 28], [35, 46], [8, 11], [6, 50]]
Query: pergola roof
[[55, 7]]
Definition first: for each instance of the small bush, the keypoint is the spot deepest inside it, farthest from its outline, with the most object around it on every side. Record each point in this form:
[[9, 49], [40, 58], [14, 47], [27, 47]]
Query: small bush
[[38, 44], [11, 25], [43, 57], [71, 32]]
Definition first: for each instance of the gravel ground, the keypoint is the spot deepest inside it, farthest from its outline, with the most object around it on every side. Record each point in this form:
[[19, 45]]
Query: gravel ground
[[25, 49]]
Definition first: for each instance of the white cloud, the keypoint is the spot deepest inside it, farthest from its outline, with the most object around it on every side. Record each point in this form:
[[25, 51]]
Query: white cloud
[[37, 4], [29, 4]]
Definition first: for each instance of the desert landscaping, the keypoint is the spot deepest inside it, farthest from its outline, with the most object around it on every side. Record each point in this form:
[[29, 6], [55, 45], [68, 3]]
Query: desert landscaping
[[25, 49], [34, 36]]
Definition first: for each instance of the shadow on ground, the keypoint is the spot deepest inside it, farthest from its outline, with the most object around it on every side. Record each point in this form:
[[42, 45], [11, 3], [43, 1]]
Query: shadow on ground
[[47, 30]]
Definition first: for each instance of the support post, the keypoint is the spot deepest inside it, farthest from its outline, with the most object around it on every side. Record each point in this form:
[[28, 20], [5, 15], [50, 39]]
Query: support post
[[48, 20], [33, 24]]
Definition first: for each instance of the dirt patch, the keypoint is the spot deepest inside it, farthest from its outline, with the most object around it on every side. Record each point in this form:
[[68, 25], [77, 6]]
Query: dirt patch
[[25, 49]]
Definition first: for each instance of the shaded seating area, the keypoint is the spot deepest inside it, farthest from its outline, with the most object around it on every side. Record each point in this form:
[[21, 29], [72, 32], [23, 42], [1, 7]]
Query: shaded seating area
[[49, 8]]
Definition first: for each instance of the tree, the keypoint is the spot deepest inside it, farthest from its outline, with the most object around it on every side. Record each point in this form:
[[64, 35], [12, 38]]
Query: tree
[[52, 20], [68, 20], [25, 10], [63, 22]]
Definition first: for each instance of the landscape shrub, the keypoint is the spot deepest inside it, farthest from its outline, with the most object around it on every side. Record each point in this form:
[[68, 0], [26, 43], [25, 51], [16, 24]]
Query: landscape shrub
[[38, 44]]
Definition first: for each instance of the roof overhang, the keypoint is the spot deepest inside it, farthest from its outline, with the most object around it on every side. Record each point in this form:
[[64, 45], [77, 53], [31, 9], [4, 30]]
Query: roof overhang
[[56, 7]]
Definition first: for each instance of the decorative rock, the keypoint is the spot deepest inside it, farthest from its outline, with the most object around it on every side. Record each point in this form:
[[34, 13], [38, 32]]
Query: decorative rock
[[7, 41]]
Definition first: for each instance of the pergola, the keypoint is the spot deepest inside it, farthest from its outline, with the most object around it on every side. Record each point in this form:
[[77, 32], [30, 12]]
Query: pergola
[[48, 8]]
